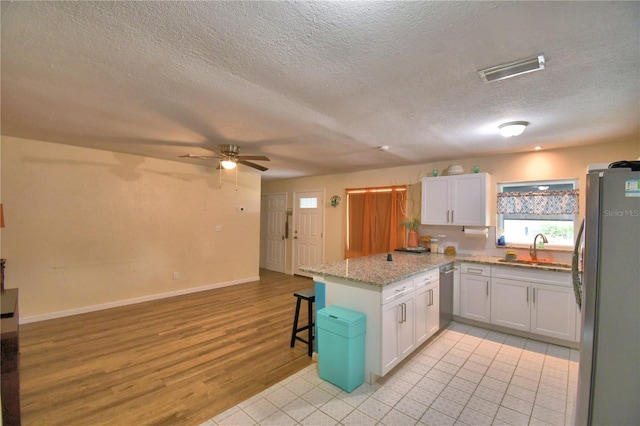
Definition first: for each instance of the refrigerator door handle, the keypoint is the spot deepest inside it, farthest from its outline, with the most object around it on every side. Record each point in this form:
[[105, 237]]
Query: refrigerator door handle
[[576, 274]]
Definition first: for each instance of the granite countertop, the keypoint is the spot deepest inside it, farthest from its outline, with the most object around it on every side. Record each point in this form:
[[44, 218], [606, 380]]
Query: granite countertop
[[499, 261], [377, 271]]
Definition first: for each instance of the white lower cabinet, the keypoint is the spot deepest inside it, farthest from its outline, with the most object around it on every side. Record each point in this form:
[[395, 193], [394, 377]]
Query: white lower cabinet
[[427, 311], [553, 312], [398, 329], [392, 333], [510, 303], [410, 315], [540, 302], [475, 298]]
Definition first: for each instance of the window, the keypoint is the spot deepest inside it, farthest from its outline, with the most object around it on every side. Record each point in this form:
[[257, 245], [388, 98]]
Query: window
[[526, 209], [309, 203], [373, 220]]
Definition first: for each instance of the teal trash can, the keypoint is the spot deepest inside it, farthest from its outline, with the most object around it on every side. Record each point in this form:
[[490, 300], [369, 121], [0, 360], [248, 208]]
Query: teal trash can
[[341, 342]]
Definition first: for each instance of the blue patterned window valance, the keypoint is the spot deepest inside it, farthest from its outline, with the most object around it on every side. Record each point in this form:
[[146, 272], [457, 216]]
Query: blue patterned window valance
[[538, 202]]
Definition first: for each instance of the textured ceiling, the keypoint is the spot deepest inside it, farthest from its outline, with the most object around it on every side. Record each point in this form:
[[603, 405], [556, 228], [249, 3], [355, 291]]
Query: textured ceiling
[[318, 86]]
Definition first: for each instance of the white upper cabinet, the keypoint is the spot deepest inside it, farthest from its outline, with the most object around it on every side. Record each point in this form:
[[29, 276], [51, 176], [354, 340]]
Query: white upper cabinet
[[456, 200], [435, 200]]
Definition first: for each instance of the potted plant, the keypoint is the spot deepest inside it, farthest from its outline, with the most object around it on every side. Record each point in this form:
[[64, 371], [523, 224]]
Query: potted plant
[[412, 225], [410, 210]]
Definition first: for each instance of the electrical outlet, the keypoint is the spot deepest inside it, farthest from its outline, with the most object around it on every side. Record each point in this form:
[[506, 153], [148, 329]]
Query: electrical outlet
[[175, 276]]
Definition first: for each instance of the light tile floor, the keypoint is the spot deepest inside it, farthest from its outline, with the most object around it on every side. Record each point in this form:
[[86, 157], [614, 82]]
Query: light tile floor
[[465, 376]]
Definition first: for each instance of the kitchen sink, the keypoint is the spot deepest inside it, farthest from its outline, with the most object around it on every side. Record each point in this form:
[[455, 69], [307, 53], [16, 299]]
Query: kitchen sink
[[539, 262]]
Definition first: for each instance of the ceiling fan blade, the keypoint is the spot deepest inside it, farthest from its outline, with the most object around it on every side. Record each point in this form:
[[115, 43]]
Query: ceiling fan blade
[[202, 157], [253, 157], [215, 151], [254, 165]]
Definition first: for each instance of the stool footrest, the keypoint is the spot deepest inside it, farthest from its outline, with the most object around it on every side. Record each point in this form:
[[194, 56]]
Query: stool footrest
[[302, 340], [303, 328]]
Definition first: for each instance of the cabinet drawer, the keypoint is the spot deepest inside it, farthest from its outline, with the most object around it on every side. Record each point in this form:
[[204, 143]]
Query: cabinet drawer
[[397, 290], [475, 269], [426, 278]]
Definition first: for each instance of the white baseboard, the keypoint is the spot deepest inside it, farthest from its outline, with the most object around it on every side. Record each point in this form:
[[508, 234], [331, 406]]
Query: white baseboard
[[93, 308]]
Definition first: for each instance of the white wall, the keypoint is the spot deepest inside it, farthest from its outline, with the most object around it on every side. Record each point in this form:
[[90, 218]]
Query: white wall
[[88, 229], [552, 164]]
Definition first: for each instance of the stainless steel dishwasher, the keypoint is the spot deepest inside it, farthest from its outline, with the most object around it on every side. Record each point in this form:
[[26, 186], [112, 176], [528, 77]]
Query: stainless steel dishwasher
[[446, 294]]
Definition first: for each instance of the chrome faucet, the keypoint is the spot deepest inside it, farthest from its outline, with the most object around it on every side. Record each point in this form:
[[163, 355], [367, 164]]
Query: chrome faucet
[[533, 250]]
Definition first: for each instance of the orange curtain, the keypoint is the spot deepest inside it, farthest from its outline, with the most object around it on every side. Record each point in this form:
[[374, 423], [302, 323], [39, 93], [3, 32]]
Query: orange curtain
[[373, 220]]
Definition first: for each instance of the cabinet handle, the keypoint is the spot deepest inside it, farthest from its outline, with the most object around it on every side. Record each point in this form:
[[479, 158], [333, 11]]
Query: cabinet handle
[[452, 215], [527, 295], [398, 290], [430, 298], [403, 313], [448, 212], [487, 285], [474, 271], [534, 295]]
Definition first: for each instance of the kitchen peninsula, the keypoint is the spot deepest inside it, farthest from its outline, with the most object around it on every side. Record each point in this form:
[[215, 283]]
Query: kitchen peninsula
[[398, 296], [401, 299]]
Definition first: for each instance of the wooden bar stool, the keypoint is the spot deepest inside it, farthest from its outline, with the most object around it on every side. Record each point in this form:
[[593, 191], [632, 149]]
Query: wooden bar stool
[[309, 295]]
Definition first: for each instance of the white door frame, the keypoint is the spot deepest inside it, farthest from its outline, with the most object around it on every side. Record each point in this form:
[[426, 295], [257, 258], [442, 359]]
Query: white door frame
[[322, 207]]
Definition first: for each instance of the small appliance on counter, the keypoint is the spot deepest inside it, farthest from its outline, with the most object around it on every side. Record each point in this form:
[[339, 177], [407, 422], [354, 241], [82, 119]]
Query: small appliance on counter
[[426, 241], [451, 250], [412, 250]]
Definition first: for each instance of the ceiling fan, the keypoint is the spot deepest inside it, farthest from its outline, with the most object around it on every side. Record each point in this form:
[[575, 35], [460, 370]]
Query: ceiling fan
[[229, 156]]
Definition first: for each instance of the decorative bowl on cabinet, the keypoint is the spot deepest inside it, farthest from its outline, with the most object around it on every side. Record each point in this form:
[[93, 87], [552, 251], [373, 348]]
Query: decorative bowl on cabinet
[[455, 169]]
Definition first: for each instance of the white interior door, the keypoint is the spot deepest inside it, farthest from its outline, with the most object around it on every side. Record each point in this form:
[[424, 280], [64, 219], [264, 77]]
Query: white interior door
[[308, 230], [272, 232]]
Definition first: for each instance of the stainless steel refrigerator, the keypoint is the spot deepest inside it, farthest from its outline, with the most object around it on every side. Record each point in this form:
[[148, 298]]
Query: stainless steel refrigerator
[[609, 370]]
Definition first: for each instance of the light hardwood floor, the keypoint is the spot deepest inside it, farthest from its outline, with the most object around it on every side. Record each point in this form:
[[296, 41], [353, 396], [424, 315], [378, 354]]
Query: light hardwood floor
[[177, 361]]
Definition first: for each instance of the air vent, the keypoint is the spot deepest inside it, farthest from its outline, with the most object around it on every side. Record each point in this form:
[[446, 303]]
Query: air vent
[[512, 69]]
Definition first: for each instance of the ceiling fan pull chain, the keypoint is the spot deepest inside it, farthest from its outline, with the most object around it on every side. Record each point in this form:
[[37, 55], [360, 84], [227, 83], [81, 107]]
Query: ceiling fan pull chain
[[236, 178]]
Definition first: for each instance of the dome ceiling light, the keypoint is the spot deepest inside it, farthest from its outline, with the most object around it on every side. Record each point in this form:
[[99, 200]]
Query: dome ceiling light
[[228, 164], [513, 128]]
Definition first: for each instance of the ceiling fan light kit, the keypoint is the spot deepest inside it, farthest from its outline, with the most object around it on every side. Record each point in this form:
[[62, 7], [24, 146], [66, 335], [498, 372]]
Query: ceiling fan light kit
[[513, 128], [228, 164], [229, 156]]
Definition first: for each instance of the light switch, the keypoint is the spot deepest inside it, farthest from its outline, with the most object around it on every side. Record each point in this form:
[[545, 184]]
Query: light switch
[[218, 228]]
